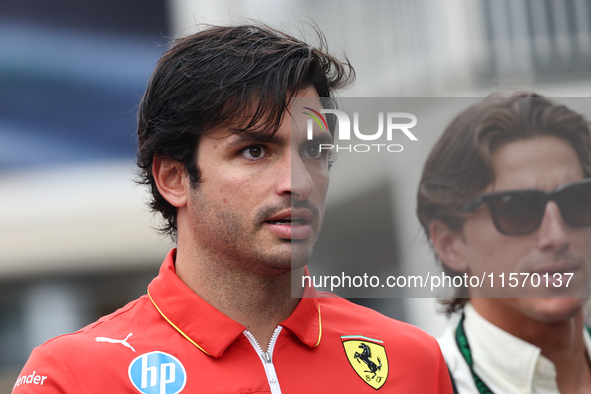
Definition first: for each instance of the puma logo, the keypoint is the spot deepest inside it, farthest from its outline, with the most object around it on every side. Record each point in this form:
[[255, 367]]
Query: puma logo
[[121, 341]]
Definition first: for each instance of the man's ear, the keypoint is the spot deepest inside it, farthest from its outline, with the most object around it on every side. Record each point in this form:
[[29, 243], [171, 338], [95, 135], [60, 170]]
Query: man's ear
[[448, 245], [171, 179]]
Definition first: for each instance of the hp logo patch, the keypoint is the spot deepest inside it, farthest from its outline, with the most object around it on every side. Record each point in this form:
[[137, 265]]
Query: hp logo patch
[[157, 373]]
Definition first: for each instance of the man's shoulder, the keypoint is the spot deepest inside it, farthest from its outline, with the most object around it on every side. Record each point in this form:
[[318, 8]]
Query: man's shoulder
[[359, 315], [129, 317], [68, 362], [107, 336], [406, 355], [344, 316]]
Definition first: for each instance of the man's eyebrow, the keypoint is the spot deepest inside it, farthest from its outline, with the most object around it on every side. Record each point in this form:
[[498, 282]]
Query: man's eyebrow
[[259, 138], [323, 138]]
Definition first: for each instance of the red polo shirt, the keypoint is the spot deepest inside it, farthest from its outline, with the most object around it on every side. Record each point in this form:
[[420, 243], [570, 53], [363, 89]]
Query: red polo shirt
[[171, 341]]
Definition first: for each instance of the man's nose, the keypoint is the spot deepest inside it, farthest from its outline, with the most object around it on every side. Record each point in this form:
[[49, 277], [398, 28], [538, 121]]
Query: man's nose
[[553, 234], [295, 178]]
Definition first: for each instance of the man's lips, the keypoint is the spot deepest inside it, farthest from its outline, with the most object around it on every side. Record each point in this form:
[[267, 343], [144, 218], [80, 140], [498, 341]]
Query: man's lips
[[556, 268], [558, 274], [294, 224]]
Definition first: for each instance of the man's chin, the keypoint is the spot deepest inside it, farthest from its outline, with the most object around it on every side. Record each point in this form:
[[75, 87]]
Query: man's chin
[[284, 262], [301, 253], [289, 255], [552, 310]]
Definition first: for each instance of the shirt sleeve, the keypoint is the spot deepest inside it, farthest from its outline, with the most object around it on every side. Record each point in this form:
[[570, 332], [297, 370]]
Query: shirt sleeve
[[46, 373]]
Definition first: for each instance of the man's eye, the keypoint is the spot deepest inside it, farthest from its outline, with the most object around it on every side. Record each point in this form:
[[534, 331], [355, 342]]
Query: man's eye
[[313, 151], [253, 152]]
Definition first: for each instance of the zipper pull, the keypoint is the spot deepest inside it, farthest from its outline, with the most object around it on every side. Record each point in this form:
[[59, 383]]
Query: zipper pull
[[267, 357]]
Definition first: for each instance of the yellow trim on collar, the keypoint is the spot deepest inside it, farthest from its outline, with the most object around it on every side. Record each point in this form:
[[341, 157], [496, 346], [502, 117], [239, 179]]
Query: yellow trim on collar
[[319, 326], [178, 329]]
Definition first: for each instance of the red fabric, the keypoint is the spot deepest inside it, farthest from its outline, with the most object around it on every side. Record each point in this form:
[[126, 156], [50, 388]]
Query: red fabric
[[85, 362]]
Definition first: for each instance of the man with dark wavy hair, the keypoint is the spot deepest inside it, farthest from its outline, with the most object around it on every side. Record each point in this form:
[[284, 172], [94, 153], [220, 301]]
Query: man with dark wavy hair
[[506, 194], [244, 197]]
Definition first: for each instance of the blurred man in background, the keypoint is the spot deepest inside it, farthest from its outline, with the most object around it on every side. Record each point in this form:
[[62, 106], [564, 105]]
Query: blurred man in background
[[506, 190], [244, 197]]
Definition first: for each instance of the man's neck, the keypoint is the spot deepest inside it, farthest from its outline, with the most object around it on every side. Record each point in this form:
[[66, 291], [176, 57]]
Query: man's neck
[[258, 302], [562, 342]]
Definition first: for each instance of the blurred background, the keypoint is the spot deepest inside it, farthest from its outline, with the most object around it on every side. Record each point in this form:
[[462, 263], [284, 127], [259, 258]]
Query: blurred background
[[76, 240]]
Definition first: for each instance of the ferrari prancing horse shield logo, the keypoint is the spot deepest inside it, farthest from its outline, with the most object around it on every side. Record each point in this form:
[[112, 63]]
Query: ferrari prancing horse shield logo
[[368, 358]]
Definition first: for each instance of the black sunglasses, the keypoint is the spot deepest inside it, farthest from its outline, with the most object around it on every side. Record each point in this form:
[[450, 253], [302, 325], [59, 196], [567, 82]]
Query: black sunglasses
[[517, 212]]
